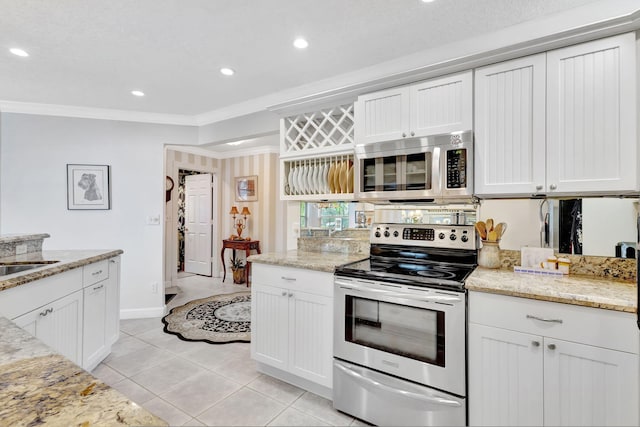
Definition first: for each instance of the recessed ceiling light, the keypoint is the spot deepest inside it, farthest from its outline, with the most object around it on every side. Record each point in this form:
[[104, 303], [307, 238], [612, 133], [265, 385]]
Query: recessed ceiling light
[[18, 52], [227, 71], [137, 93], [301, 43], [427, 1], [235, 143]]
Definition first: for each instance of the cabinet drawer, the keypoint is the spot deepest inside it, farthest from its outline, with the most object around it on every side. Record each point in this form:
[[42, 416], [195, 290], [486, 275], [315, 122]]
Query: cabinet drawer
[[315, 282], [603, 328], [30, 296], [96, 272]]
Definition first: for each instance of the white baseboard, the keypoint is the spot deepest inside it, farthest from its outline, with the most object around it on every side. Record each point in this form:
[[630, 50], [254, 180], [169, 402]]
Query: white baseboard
[[142, 313]]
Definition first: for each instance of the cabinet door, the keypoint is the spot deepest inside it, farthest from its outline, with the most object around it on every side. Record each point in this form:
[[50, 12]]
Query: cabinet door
[[94, 336], [510, 127], [591, 117], [311, 337], [382, 116], [505, 377], [589, 386], [442, 105], [269, 324], [112, 326], [58, 324]]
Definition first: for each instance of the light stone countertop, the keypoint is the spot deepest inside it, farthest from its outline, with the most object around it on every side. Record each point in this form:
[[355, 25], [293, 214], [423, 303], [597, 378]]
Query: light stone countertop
[[67, 260], [39, 386], [569, 289], [319, 261], [11, 238]]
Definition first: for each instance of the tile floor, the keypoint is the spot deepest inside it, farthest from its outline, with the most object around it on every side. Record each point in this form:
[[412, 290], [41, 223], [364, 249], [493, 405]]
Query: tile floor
[[200, 384]]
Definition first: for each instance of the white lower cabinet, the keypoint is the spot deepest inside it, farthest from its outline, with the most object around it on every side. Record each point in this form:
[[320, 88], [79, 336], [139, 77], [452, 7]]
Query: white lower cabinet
[[292, 323], [76, 313], [538, 375], [57, 324]]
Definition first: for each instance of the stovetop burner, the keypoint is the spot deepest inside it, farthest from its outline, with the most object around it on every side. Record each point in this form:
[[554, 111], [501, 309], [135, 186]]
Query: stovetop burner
[[418, 255]]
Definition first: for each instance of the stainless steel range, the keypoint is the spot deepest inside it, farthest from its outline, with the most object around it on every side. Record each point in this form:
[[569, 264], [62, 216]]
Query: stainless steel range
[[400, 327]]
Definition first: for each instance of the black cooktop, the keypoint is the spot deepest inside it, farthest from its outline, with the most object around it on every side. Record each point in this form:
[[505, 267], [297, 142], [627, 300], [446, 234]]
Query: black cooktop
[[418, 267]]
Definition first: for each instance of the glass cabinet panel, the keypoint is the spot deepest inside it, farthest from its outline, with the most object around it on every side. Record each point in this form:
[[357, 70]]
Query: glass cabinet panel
[[390, 173], [418, 171]]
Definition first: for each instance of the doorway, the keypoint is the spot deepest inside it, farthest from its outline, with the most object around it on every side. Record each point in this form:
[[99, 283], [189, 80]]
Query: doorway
[[194, 217]]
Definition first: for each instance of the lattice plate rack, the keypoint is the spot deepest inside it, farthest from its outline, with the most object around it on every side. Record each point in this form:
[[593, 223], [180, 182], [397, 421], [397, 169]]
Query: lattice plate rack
[[323, 131]]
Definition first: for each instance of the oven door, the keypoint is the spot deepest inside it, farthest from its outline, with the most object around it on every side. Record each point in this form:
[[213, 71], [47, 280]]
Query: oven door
[[413, 333]]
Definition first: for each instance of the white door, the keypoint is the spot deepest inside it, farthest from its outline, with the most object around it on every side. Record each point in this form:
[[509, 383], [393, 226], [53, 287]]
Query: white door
[[510, 127], [269, 324], [589, 386], [197, 233], [311, 337], [505, 377], [442, 105], [591, 116], [382, 116]]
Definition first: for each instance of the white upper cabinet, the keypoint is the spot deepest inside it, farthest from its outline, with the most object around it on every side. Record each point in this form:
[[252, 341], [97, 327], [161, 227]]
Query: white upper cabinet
[[510, 127], [591, 117], [562, 122], [382, 116], [431, 107], [442, 105]]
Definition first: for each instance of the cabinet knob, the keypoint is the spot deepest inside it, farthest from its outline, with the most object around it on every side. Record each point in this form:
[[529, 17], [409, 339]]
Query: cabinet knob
[[553, 187], [551, 346], [538, 187], [284, 293], [290, 294], [535, 343], [413, 133], [404, 135]]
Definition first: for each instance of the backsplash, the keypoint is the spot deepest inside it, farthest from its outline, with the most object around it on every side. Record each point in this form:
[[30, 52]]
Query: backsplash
[[351, 241], [11, 242], [595, 266]]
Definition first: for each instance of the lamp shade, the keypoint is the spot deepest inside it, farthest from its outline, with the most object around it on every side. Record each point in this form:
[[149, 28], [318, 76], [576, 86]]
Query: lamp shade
[[234, 210], [245, 211]]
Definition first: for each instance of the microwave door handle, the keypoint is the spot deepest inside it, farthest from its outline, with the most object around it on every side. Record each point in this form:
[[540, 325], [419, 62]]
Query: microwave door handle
[[426, 298], [369, 383], [436, 179]]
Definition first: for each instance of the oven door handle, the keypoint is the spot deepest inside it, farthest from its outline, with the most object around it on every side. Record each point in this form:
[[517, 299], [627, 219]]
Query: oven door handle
[[391, 390], [426, 298]]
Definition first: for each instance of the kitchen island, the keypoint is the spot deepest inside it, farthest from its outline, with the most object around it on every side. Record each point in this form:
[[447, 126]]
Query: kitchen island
[[40, 386]]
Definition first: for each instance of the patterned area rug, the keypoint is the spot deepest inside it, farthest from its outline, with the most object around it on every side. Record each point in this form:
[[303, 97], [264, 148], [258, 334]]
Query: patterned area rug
[[218, 319]]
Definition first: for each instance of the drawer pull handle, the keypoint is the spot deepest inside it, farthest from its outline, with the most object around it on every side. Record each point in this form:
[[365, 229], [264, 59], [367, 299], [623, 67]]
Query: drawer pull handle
[[551, 346], [98, 287], [112, 261], [95, 273], [47, 311], [543, 319], [288, 278], [535, 343]]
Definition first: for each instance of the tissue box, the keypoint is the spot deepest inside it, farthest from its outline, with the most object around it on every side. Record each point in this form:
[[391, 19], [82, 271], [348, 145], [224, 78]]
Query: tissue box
[[532, 257]]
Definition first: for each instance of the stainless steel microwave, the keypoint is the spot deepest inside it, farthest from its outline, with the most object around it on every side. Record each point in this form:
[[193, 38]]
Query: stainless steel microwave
[[429, 168]]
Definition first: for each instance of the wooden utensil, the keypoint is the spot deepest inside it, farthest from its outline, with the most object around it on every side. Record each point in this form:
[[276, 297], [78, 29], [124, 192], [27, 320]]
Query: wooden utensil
[[489, 224], [482, 229], [500, 229], [492, 236]]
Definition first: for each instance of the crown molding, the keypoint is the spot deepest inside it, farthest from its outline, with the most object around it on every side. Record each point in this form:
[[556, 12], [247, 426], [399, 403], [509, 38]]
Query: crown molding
[[95, 113], [520, 40]]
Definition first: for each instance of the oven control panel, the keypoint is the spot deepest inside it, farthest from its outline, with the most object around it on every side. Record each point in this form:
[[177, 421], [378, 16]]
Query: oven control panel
[[426, 235]]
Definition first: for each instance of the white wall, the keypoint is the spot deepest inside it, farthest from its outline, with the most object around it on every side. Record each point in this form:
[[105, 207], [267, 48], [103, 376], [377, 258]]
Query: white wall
[[33, 157], [522, 218]]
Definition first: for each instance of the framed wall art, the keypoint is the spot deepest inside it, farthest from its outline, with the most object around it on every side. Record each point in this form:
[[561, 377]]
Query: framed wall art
[[88, 187], [246, 188]]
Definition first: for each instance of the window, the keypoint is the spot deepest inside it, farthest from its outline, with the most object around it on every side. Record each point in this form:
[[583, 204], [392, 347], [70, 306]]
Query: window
[[326, 215]]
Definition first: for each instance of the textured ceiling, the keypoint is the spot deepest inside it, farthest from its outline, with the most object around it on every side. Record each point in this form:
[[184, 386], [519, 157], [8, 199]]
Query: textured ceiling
[[92, 53]]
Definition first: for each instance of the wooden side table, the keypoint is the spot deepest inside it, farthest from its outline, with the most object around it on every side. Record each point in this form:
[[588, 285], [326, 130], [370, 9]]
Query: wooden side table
[[246, 245]]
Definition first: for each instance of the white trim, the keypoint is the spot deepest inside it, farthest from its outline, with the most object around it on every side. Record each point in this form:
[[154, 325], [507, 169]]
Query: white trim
[[95, 113], [224, 154], [142, 313]]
